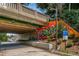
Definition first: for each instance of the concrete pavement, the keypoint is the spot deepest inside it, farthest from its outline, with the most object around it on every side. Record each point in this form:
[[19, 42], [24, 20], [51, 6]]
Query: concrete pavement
[[26, 51]]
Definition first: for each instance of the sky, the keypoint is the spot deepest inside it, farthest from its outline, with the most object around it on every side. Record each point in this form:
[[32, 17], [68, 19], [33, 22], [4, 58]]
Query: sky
[[34, 7]]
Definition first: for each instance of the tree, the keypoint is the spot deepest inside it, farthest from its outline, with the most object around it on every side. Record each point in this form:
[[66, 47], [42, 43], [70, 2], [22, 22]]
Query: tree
[[50, 8], [72, 18], [60, 6]]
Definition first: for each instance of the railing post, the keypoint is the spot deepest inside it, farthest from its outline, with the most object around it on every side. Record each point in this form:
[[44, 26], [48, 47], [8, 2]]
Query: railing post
[[19, 7]]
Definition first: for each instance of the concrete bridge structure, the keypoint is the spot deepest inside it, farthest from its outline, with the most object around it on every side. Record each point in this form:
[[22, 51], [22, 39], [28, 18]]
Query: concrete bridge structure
[[16, 18]]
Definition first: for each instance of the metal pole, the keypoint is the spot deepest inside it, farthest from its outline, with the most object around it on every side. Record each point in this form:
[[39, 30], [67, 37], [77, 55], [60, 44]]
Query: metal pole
[[69, 6], [65, 44], [57, 27]]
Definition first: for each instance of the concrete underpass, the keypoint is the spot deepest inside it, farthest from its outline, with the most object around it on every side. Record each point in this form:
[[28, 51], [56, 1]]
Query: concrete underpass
[[21, 21]]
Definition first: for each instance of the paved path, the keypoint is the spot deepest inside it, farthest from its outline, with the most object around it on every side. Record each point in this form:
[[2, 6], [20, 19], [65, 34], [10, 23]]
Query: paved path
[[26, 51]]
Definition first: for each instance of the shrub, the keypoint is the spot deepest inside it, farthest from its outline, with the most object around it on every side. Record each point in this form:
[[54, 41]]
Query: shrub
[[3, 37], [69, 44], [49, 39]]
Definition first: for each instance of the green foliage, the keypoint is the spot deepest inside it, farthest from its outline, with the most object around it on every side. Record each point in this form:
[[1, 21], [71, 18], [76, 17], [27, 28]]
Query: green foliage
[[48, 32], [3, 37], [77, 26], [69, 44], [46, 8], [60, 30], [72, 18], [49, 39]]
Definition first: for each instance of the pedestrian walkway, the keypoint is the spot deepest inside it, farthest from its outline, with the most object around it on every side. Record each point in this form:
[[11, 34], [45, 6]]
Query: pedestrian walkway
[[26, 51]]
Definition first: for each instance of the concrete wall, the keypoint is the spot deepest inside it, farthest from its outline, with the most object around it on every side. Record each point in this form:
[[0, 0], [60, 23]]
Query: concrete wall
[[39, 44], [23, 36], [16, 37]]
